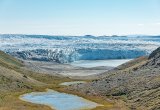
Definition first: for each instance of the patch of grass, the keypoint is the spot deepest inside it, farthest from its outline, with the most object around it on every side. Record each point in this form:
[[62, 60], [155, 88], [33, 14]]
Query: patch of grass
[[9, 60], [11, 102]]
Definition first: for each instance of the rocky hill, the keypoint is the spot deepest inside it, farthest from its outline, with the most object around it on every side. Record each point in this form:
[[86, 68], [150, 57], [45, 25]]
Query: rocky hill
[[136, 82]]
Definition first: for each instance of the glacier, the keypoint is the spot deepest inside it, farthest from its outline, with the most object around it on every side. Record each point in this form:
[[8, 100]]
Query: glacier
[[65, 49]]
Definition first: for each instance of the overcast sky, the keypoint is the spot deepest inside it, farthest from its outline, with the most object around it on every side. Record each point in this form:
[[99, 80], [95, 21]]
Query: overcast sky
[[80, 17]]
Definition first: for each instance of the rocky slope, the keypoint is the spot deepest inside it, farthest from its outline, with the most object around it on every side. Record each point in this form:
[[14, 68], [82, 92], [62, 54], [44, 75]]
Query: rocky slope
[[136, 82]]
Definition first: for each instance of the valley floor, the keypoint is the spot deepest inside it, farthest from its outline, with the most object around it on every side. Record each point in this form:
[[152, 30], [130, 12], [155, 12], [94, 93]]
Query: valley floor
[[10, 100], [17, 79], [66, 70]]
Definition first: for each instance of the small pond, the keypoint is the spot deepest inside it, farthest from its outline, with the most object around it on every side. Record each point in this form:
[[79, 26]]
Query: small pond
[[71, 83], [59, 101]]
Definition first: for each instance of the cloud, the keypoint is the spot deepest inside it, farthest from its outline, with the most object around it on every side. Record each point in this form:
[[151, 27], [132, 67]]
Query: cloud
[[155, 24], [140, 24], [149, 24], [158, 23]]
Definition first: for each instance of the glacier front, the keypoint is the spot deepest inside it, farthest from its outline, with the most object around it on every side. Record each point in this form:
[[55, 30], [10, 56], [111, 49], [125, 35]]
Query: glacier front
[[65, 49]]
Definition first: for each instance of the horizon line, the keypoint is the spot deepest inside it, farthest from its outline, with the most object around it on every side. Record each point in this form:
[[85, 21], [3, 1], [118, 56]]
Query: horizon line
[[80, 35]]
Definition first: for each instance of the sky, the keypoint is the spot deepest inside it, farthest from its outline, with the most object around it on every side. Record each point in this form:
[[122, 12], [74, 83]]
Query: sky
[[80, 17]]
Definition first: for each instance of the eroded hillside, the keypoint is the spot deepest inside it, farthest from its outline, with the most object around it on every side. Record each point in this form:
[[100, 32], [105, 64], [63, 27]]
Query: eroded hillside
[[136, 82]]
